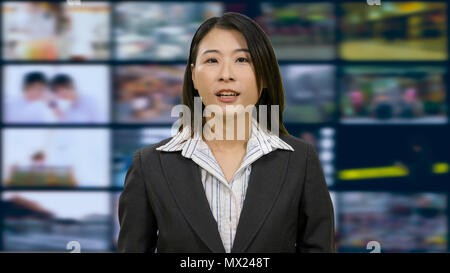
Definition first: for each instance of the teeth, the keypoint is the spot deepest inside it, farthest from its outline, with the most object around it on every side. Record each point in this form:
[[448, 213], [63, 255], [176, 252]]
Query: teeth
[[227, 94]]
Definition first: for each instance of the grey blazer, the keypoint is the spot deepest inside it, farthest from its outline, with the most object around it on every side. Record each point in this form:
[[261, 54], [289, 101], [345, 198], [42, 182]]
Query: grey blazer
[[287, 207]]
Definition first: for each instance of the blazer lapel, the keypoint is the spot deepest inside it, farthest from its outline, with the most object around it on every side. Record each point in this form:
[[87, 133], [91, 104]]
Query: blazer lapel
[[266, 178], [184, 179]]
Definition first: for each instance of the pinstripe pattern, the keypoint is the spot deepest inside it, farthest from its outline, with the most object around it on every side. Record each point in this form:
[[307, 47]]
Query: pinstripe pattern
[[225, 199]]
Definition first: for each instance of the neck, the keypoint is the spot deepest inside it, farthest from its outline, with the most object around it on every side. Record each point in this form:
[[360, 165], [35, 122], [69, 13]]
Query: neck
[[235, 133]]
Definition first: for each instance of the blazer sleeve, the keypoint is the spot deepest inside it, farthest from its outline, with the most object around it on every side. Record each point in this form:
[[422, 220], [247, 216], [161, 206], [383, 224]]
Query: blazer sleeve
[[138, 227], [316, 215]]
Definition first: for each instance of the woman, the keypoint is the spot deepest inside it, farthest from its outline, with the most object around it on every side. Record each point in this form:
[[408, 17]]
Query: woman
[[252, 192]]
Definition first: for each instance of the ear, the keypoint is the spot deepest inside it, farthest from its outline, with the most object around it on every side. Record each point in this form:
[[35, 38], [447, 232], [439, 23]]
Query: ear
[[193, 75]]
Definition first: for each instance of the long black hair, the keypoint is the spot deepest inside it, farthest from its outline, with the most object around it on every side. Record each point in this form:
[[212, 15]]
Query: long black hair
[[263, 58]]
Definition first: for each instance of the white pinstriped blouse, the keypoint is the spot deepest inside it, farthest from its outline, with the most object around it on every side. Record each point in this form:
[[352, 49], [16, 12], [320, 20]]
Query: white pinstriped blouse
[[225, 199]]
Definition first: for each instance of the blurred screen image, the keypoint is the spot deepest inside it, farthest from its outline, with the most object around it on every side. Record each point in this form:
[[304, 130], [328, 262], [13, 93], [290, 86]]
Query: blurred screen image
[[48, 94], [398, 222], [56, 31], [400, 158], [127, 141], [413, 94], [333, 196], [299, 31], [394, 31], [55, 157], [309, 93], [163, 32], [147, 93], [49, 221], [323, 140], [116, 225]]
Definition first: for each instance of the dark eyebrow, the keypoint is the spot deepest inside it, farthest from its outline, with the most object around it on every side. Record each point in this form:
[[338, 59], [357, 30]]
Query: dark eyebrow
[[217, 51]]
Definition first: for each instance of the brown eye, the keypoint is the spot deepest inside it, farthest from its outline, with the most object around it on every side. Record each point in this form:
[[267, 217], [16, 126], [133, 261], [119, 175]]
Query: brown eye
[[211, 59], [243, 59]]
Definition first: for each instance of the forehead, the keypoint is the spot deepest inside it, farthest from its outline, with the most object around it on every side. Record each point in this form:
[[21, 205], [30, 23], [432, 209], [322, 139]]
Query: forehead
[[63, 87], [36, 84], [223, 40]]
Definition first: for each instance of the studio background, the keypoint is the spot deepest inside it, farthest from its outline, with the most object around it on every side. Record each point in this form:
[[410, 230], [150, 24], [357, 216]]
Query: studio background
[[366, 85]]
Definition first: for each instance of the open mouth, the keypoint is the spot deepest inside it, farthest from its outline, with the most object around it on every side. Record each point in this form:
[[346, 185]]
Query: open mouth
[[227, 93]]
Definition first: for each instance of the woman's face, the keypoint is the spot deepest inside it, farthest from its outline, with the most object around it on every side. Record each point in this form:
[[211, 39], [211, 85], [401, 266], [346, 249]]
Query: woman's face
[[224, 62]]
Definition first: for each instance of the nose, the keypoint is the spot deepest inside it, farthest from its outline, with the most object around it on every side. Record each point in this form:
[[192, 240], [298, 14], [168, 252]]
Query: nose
[[226, 73]]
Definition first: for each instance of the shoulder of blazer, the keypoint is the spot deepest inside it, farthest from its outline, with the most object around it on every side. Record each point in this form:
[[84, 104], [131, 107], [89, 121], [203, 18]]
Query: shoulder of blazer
[[300, 146], [150, 150]]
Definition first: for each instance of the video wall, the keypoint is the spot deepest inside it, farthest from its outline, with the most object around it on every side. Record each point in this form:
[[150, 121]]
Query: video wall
[[84, 86]]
